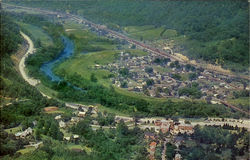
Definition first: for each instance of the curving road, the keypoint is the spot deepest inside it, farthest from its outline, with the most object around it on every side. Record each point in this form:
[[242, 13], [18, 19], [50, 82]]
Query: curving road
[[21, 66]]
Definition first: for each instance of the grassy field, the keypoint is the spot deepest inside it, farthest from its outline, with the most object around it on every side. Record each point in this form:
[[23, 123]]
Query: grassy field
[[85, 41], [242, 102], [26, 150], [84, 65], [111, 110], [72, 25], [14, 130], [77, 146], [37, 33]]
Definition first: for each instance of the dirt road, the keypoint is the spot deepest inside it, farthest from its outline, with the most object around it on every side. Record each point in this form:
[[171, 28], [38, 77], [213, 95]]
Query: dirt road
[[30, 50]]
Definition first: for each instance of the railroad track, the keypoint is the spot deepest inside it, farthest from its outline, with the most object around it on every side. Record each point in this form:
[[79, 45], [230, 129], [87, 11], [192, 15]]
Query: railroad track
[[235, 108], [121, 36]]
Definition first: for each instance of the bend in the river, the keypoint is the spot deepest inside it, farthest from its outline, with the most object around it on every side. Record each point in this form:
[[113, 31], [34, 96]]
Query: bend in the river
[[67, 52]]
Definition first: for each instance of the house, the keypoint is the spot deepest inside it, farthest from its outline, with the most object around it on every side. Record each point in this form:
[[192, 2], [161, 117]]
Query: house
[[75, 136], [152, 147], [75, 119], [58, 117], [149, 135], [24, 134], [158, 122], [215, 102], [97, 66], [62, 124], [166, 125], [186, 128], [66, 138], [71, 105], [177, 156], [81, 114]]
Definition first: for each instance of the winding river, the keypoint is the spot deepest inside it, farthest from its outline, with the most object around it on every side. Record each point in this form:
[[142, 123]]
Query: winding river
[[66, 53]]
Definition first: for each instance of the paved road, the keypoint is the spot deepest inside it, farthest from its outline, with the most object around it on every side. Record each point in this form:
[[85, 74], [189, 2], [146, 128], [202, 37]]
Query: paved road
[[163, 153], [245, 124]]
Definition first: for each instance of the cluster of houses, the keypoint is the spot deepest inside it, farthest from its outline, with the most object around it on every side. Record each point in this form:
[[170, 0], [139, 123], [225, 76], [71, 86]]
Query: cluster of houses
[[165, 126], [214, 87], [168, 127], [78, 115], [169, 77]]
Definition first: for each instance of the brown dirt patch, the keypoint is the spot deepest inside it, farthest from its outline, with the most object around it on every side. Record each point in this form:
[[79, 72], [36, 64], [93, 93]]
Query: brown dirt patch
[[50, 109]]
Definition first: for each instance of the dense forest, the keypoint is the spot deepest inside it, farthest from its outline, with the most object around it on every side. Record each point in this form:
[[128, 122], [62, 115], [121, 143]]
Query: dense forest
[[216, 31], [210, 142]]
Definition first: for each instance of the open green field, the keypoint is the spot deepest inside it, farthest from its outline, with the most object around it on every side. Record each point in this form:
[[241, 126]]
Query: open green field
[[77, 146], [37, 33], [85, 41], [149, 32], [111, 110], [84, 65], [145, 32], [14, 130], [72, 25], [26, 150], [242, 102]]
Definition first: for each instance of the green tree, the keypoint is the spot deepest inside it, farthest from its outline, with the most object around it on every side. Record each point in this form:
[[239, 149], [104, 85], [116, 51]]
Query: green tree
[[93, 78]]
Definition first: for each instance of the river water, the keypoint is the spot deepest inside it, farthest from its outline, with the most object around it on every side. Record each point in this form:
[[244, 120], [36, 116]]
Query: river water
[[67, 52]]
